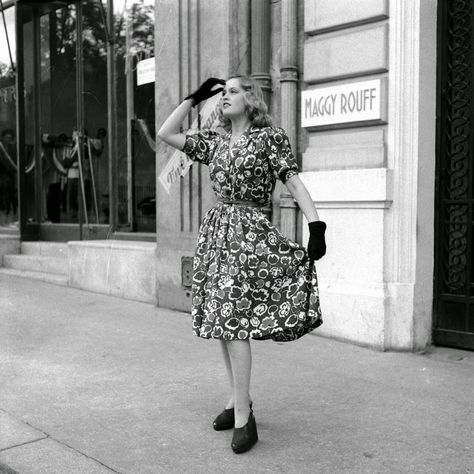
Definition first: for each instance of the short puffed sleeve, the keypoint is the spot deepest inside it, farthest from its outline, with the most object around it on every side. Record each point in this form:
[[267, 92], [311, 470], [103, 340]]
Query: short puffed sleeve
[[281, 158], [200, 144]]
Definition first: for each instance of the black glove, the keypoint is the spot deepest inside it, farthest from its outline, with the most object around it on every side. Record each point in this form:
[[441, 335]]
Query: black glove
[[204, 92], [317, 243]]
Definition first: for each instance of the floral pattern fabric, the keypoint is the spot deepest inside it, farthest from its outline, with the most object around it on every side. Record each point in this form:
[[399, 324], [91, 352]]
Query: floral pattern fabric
[[249, 280]]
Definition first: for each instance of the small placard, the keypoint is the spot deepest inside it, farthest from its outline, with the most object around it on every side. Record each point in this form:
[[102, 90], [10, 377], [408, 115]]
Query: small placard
[[354, 102], [178, 165], [145, 71]]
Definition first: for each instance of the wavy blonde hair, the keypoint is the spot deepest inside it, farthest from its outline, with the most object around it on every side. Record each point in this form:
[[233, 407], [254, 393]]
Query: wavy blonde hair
[[254, 104]]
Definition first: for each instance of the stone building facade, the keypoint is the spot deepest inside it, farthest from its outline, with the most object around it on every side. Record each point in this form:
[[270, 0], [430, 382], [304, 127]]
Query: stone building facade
[[371, 179]]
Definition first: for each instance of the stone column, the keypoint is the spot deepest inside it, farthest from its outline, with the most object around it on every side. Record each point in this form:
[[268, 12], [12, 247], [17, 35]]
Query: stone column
[[289, 96]]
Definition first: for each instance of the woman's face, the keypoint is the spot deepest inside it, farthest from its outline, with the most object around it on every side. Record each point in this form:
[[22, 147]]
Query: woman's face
[[233, 104]]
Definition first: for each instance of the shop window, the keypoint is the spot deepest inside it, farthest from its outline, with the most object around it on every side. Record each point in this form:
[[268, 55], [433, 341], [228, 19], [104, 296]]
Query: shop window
[[136, 167], [65, 176], [8, 177]]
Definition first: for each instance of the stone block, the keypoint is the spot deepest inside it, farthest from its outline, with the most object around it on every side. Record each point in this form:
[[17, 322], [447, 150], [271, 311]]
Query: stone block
[[9, 245], [354, 239], [45, 249], [120, 268], [328, 14], [348, 189], [351, 275], [36, 263], [352, 313], [345, 149], [346, 53]]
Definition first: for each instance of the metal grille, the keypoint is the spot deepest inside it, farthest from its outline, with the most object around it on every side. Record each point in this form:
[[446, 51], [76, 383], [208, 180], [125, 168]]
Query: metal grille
[[454, 301]]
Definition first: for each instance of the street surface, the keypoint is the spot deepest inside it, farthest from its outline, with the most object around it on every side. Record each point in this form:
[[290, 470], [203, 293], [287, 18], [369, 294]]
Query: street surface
[[95, 384]]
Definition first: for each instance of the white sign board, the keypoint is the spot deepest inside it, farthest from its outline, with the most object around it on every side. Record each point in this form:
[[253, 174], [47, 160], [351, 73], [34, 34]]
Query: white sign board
[[178, 165], [354, 102], [145, 71]]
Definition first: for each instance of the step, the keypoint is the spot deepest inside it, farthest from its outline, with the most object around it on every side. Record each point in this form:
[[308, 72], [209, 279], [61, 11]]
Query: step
[[12, 231], [46, 277], [45, 249], [37, 263]]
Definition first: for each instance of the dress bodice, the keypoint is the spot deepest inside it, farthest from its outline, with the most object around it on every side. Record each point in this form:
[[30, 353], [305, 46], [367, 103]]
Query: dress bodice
[[248, 169]]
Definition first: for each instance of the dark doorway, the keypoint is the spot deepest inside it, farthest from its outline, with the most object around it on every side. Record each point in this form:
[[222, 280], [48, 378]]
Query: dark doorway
[[454, 258]]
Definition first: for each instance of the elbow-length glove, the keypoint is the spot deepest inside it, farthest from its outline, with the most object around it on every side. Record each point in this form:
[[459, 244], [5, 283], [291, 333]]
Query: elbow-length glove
[[205, 90], [317, 242]]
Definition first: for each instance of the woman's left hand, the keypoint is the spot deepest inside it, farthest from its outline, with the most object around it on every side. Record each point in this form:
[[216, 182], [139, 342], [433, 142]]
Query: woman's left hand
[[317, 242]]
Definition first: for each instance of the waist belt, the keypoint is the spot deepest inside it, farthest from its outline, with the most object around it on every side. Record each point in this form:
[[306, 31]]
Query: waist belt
[[237, 202]]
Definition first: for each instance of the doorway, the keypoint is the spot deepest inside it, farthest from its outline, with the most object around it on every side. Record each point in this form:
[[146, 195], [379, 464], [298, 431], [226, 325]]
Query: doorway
[[454, 236], [62, 117]]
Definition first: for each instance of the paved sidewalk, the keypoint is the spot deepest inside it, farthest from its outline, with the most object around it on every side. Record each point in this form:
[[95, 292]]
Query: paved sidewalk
[[95, 384]]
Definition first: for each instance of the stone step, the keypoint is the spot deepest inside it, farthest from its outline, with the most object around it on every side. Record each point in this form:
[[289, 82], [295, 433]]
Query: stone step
[[4, 230], [43, 276], [37, 263], [45, 249]]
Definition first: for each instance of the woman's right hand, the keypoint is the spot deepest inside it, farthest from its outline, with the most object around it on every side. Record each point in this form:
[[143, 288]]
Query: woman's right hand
[[205, 90]]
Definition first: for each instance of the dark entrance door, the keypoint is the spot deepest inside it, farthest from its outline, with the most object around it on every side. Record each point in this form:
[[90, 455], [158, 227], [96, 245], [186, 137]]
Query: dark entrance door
[[454, 259]]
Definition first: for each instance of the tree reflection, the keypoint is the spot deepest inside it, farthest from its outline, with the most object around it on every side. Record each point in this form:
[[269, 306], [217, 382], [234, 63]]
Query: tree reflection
[[62, 41]]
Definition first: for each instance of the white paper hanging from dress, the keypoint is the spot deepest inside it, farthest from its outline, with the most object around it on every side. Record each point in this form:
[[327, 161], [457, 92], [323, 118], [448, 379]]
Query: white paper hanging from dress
[[178, 165]]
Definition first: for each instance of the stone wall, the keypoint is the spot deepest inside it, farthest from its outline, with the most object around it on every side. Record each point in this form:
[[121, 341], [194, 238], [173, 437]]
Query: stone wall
[[363, 176]]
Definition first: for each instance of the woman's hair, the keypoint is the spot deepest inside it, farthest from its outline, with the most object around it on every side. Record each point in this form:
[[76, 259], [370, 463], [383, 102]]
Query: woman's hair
[[254, 104]]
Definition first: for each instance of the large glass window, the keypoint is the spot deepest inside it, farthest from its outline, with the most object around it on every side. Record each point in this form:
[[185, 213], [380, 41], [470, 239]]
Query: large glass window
[[65, 112], [8, 187], [136, 167], [65, 84]]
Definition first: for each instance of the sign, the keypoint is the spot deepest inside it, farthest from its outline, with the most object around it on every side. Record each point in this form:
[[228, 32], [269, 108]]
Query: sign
[[178, 165], [145, 71], [355, 102]]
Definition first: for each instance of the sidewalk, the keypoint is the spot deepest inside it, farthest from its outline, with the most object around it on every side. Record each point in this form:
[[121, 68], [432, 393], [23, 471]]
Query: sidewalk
[[95, 384]]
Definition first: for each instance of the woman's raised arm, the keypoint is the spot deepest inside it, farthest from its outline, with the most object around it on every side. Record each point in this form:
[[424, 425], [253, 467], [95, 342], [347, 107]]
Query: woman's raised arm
[[170, 131]]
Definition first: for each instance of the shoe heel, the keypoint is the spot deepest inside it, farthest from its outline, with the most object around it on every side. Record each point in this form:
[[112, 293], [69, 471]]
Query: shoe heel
[[244, 438]]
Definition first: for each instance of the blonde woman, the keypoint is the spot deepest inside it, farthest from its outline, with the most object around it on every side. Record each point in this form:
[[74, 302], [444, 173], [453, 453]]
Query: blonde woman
[[250, 282]]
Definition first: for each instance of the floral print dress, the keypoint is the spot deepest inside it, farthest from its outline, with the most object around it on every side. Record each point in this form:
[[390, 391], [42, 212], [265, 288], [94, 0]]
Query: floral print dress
[[249, 280]]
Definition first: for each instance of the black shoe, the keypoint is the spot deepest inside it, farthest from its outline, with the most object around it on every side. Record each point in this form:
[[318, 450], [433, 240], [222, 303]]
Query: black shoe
[[225, 420], [244, 438]]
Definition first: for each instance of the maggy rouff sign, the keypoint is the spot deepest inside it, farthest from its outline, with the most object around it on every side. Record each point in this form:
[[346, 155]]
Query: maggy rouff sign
[[353, 102]]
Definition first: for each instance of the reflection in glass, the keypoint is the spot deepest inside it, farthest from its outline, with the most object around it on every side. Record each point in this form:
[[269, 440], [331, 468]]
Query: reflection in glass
[[136, 43], [8, 188]]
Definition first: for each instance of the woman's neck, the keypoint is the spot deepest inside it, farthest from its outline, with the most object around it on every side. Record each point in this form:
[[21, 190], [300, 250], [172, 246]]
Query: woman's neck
[[239, 125]]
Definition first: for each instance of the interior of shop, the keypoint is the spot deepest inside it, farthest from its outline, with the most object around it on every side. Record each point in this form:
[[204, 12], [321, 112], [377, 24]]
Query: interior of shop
[[78, 140]]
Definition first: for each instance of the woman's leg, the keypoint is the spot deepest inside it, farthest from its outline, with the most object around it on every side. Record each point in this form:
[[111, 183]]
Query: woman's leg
[[228, 367], [241, 362]]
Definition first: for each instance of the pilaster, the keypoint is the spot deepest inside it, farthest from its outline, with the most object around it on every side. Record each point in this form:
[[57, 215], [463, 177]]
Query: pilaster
[[412, 159], [260, 19], [289, 104]]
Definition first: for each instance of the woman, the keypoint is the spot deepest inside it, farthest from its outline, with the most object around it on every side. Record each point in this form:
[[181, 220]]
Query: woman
[[250, 282]]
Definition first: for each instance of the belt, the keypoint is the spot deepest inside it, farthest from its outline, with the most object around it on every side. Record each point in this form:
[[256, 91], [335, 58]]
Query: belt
[[238, 202]]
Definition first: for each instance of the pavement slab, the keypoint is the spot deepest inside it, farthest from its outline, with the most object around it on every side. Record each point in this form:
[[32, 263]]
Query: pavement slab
[[49, 456], [14, 433], [126, 386]]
